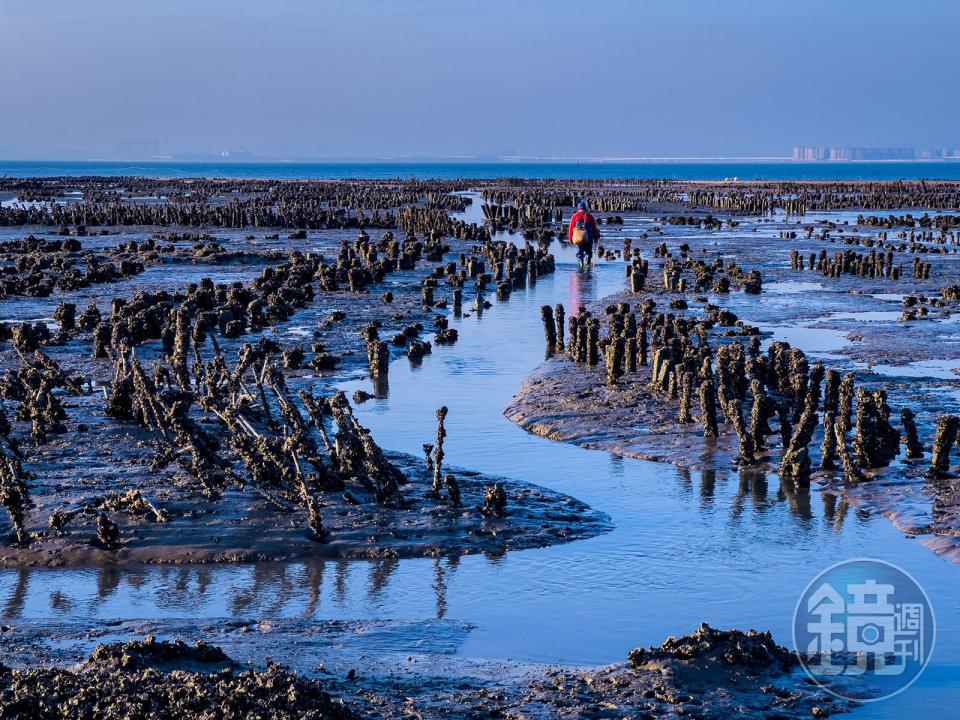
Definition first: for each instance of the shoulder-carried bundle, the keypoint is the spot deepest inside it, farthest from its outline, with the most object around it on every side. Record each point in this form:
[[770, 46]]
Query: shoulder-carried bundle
[[581, 233]]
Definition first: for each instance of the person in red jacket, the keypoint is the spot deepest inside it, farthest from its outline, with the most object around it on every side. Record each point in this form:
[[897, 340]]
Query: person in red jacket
[[584, 249]]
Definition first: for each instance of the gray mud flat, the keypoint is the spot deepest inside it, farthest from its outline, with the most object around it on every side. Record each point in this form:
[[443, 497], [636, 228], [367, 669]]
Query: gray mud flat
[[79, 470], [567, 402], [707, 674], [689, 677], [402, 668], [150, 679], [244, 527], [896, 335]]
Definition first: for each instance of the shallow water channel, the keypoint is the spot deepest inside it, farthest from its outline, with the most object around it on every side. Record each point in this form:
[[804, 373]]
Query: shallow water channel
[[687, 547]]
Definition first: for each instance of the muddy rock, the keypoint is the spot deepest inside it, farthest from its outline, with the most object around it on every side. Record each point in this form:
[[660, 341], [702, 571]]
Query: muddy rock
[[150, 679]]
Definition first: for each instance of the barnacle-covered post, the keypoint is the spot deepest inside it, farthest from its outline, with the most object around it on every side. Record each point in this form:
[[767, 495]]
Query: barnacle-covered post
[[643, 344], [549, 328], [314, 520], [108, 534], [708, 409], [686, 398], [438, 453], [734, 414], [378, 352], [614, 361], [630, 351], [593, 335], [14, 496], [560, 315], [851, 472], [845, 418], [831, 391], [453, 490], [943, 440], [828, 448], [759, 415], [911, 438], [457, 301]]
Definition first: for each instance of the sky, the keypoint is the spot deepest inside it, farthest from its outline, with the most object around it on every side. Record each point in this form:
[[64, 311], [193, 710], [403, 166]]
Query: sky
[[316, 79]]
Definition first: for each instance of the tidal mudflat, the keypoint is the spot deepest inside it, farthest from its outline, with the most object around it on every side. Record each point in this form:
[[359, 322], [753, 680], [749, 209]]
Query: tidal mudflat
[[276, 426]]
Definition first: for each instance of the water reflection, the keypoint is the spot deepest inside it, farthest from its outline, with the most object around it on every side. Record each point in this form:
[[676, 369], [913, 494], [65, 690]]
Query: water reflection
[[708, 484], [381, 387], [581, 288], [13, 606], [752, 486], [264, 590], [314, 583], [440, 583], [799, 500], [380, 572], [280, 589]]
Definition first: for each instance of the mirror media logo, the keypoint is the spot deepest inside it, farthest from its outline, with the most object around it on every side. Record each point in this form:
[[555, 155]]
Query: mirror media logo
[[864, 619]]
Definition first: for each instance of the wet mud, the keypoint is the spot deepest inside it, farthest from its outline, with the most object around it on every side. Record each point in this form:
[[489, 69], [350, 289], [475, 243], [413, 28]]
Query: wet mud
[[881, 312], [171, 351], [244, 526], [154, 679], [354, 669], [191, 418]]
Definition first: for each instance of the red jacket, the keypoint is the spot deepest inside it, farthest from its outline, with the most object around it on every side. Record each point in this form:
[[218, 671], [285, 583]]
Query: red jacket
[[590, 223]]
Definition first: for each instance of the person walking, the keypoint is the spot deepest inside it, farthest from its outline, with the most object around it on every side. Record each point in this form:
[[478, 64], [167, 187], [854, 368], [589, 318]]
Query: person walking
[[583, 232]]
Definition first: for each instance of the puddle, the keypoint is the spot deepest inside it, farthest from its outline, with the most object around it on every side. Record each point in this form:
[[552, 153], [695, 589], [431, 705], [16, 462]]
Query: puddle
[[867, 316], [938, 369], [792, 287], [812, 340]]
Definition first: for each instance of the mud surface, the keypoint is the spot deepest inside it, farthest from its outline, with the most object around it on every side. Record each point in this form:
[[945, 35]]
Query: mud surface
[[150, 679], [390, 254], [84, 464], [708, 674], [569, 402], [244, 527], [896, 335]]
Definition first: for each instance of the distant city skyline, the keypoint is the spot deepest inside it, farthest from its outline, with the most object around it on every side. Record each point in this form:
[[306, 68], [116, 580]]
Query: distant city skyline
[[147, 149], [855, 153], [798, 154], [371, 79]]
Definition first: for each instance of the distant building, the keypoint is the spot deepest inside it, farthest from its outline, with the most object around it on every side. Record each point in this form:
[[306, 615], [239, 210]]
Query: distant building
[[941, 154], [806, 152], [812, 152]]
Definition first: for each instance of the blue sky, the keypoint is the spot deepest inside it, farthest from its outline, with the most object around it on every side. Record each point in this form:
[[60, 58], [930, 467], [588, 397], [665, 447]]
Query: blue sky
[[366, 78]]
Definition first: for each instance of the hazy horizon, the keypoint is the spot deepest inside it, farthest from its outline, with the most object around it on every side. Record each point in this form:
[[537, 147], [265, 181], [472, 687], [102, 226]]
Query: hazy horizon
[[437, 79]]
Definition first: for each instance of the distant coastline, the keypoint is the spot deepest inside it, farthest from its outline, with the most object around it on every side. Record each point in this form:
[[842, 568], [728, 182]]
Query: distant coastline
[[478, 160], [713, 169]]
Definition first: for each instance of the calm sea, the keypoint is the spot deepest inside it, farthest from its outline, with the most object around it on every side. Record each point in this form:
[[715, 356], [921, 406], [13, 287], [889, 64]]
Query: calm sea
[[944, 170]]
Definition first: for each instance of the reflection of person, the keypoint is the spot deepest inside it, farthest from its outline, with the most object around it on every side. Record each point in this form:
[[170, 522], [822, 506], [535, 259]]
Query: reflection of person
[[583, 232], [580, 290]]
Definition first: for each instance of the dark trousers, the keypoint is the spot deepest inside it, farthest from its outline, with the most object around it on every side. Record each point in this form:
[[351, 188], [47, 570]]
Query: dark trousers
[[585, 251]]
